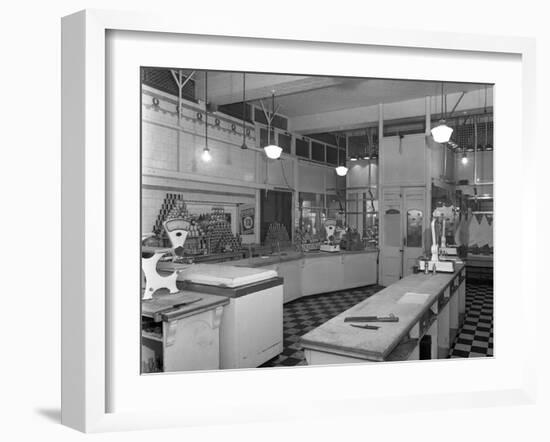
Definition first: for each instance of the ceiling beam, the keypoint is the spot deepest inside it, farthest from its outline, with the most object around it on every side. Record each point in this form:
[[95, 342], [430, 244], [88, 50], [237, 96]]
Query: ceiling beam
[[361, 117], [227, 87]]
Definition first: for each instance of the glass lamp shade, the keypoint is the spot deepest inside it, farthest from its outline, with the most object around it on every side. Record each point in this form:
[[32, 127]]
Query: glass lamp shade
[[464, 159], [442, 133], [272, 151], [206, 155], [341, 170]]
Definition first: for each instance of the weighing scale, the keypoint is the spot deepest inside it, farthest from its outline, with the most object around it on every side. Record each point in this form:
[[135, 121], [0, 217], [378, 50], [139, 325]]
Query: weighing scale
[[177, 230], [328, 245], [440, 215]]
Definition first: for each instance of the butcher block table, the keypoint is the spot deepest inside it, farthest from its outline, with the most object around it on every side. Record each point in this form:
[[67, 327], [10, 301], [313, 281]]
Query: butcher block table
[[426, 305], [180, 332]]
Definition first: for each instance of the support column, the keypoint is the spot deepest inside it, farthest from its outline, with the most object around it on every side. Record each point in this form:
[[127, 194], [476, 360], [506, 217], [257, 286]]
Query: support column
[[380, 187], [380, 139], [428, 175], [296, 211]]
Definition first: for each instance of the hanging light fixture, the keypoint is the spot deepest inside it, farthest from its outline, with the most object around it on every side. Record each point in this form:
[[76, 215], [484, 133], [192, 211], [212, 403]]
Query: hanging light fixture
[[206, 155], [342, 169], [464, 158], [271, 150], [442, 133]]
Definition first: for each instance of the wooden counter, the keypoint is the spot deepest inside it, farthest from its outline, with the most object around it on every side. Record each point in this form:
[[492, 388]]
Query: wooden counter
[[425, 304], [180, 305]]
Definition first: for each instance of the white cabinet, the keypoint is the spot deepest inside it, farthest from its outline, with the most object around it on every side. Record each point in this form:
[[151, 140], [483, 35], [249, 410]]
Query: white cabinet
[[321, 275], [291, 272], [359, 270]]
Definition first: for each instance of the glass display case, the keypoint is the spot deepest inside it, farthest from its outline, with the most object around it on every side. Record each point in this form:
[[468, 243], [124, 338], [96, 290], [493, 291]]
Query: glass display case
[[312, 213], [362, 215]]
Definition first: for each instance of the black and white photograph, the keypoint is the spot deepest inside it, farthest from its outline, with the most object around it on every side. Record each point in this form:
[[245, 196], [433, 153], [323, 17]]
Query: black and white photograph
[[298, 220], [275, 222]]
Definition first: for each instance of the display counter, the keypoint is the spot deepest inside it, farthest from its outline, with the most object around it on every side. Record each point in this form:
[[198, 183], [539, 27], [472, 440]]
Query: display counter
[[311, 273], [426, 305], [308, 273]]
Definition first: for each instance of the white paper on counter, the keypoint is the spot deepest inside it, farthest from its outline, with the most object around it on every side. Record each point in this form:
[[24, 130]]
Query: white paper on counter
[[413, 298], [225, 275]]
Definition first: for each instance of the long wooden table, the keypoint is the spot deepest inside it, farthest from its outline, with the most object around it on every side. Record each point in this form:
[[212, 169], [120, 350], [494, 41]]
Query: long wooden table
[[426, 305]]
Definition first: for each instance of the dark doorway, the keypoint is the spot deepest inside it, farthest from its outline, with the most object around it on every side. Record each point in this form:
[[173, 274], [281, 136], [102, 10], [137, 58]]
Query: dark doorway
[[275, 207]]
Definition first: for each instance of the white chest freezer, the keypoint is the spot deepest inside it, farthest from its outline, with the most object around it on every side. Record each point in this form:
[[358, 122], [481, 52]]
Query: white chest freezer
[[251, 330]]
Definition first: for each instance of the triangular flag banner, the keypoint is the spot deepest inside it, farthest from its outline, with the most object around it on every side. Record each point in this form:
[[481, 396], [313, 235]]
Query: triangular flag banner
[[474, 232], [485, 232], [458, 229]]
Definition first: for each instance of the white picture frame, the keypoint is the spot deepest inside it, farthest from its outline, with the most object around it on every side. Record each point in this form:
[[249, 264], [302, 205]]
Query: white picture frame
[[89, 173]]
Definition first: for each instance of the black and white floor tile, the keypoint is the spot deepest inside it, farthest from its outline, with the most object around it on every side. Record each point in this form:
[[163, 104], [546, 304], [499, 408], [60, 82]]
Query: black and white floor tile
[[474, 339], [305, 314]]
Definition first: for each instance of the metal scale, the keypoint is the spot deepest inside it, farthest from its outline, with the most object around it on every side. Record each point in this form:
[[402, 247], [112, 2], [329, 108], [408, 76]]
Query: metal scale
[[329, 244], [443, 256], [177, 230]]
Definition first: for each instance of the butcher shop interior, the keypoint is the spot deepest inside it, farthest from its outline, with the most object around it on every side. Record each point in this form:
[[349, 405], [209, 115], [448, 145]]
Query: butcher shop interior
[[298, 220]]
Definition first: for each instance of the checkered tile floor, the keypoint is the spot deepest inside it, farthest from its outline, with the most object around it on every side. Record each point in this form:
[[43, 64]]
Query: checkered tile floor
[[474, 339], [305, 314]]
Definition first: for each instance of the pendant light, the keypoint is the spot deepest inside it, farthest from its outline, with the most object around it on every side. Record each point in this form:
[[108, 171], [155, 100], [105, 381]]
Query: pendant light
[[244, 146], [206, 155], [442, 133], [341, 170], [271, 150], [464, 158]]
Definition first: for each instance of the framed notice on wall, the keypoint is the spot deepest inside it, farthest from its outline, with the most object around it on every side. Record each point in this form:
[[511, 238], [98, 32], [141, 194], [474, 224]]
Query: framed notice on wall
[[247, 215]]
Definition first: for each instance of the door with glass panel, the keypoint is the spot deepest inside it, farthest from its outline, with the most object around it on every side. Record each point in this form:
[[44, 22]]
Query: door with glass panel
[[391, 244], [414, 202], [402, 231]]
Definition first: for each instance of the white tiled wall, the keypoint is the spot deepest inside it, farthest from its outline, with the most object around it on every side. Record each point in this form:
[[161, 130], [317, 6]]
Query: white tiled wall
[[171, 159]]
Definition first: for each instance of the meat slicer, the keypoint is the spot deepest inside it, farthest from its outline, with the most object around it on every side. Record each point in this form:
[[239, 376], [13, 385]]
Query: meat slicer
[[177, 230]]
